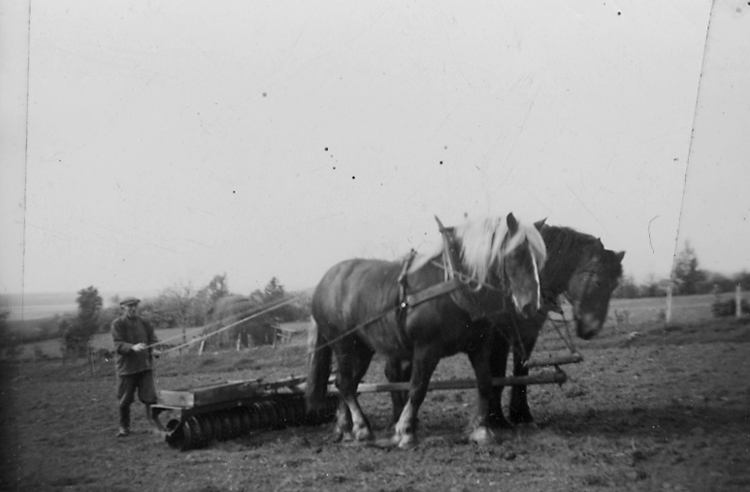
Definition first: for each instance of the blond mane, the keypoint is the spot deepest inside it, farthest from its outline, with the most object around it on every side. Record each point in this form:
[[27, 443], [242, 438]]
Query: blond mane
[[483, 242]]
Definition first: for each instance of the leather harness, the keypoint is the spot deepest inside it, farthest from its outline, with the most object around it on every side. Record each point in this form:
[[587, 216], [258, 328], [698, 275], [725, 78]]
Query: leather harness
[[451, 284]]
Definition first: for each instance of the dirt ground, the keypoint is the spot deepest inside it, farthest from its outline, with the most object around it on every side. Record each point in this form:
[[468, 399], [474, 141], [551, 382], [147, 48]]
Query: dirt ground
[[665, 409]]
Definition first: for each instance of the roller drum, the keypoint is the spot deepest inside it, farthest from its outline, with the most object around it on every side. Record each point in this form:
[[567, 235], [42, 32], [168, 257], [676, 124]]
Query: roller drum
[[267, 414], [194, 435], [282, 413], [246, 423], [298, 409], [207, 428], [175, 435], [226, 425], [255, 424], [236, 419], [217, 425]]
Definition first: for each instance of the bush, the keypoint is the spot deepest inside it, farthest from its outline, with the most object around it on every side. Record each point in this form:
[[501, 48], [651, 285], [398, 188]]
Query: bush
[[723, 309]]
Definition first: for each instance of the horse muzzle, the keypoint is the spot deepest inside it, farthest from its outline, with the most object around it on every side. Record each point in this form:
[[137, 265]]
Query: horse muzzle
[[526, 307], [588, 326]]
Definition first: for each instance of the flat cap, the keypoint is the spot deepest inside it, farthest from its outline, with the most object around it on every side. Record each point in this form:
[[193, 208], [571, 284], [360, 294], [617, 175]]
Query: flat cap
[[128, 301]]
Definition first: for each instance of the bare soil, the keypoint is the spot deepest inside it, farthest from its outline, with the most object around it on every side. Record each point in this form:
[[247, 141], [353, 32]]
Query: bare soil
[[665, 409]]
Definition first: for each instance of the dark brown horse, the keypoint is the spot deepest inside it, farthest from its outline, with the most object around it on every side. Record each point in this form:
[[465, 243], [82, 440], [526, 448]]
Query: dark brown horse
[[578, 267], [421, 312]]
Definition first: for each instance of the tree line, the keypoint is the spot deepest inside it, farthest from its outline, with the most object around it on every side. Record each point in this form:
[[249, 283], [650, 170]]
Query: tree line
[[180, 305], [687, 279]]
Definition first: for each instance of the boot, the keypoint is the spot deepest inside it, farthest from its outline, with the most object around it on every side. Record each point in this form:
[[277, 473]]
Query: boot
[[124, 422]]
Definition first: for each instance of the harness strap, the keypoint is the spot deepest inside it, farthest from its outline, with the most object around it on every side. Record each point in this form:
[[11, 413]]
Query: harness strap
[[448, 254], [402, 278], [551, 302], [403, 304], [432, 292]]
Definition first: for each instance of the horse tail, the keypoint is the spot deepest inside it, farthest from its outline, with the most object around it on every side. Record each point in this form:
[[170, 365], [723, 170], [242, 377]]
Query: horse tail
[[318, 368]]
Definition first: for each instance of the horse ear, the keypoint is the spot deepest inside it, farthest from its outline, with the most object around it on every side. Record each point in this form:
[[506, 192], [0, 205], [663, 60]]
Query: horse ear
[[440, 224], [512, 223], [539, 224], [620, 255]]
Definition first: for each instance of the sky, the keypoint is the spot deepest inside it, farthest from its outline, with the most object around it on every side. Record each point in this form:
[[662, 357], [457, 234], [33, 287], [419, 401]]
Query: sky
[[154, 144]]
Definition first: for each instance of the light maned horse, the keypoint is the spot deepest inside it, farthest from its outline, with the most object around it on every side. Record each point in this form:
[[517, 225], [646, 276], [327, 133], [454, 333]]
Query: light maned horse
[[361, 307]]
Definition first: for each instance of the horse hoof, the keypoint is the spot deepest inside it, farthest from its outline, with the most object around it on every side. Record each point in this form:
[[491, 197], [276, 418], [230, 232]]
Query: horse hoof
[[407, 441], [521, 418], [531, 425], [482, 436], [499, 423], [364, 434], [382, 443], [343, 437]]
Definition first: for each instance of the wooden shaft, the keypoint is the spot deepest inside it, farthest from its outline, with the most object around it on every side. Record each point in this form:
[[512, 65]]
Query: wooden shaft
[[555, 361], [557, 377]]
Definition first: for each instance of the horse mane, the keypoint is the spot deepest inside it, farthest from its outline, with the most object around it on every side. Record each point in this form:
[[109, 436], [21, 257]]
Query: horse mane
[[564, 238], [483, 241], [560, 238]]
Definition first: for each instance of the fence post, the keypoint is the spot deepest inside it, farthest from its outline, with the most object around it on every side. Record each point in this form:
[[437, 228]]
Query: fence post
[[668, 316], [738, 301], [90, 355]]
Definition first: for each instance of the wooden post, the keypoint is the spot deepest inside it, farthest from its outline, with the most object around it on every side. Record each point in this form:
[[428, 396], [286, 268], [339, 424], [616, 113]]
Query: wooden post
[[203, 345], [668, 317], [90, 350], [738, 301]]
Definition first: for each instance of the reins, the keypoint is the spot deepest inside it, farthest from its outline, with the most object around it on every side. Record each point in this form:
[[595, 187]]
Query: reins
[[568, 340], [262, 311]]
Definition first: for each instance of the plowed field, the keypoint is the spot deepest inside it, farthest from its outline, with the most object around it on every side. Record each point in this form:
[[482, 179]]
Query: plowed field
[[663, 409]]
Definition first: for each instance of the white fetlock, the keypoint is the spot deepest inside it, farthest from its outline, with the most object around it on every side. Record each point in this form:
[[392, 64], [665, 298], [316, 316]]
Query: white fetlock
[[363, 434], [482, 435], [407, 441]]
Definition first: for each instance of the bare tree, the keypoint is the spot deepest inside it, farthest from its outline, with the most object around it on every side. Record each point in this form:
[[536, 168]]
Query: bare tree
[[686, 273], [179, 299]]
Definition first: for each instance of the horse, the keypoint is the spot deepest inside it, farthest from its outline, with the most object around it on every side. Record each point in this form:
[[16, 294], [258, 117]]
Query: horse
[[578, 267], [421, 310]]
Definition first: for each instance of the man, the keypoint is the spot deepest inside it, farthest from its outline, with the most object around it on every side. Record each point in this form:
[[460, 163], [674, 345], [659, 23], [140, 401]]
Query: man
[[134, 339]]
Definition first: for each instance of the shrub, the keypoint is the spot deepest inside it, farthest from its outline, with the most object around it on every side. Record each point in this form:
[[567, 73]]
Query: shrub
[[722, 309]]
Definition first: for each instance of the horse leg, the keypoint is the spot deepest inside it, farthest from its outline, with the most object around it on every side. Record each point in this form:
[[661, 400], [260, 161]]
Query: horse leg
[[344, 423], [353, 360], [425, 360], [398, 371], [361, 426], [498, 363], [480, 361], [519, 405]]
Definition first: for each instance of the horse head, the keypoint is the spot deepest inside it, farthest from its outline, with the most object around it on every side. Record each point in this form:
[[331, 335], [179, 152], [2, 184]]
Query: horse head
[[591, 285], [523, 255]]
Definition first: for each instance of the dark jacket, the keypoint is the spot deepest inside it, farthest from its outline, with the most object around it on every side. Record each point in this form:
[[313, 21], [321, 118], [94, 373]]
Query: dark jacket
[[127, 332]]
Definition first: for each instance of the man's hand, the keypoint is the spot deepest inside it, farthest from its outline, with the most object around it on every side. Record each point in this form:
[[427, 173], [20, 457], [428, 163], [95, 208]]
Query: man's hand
[[138, 347]]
